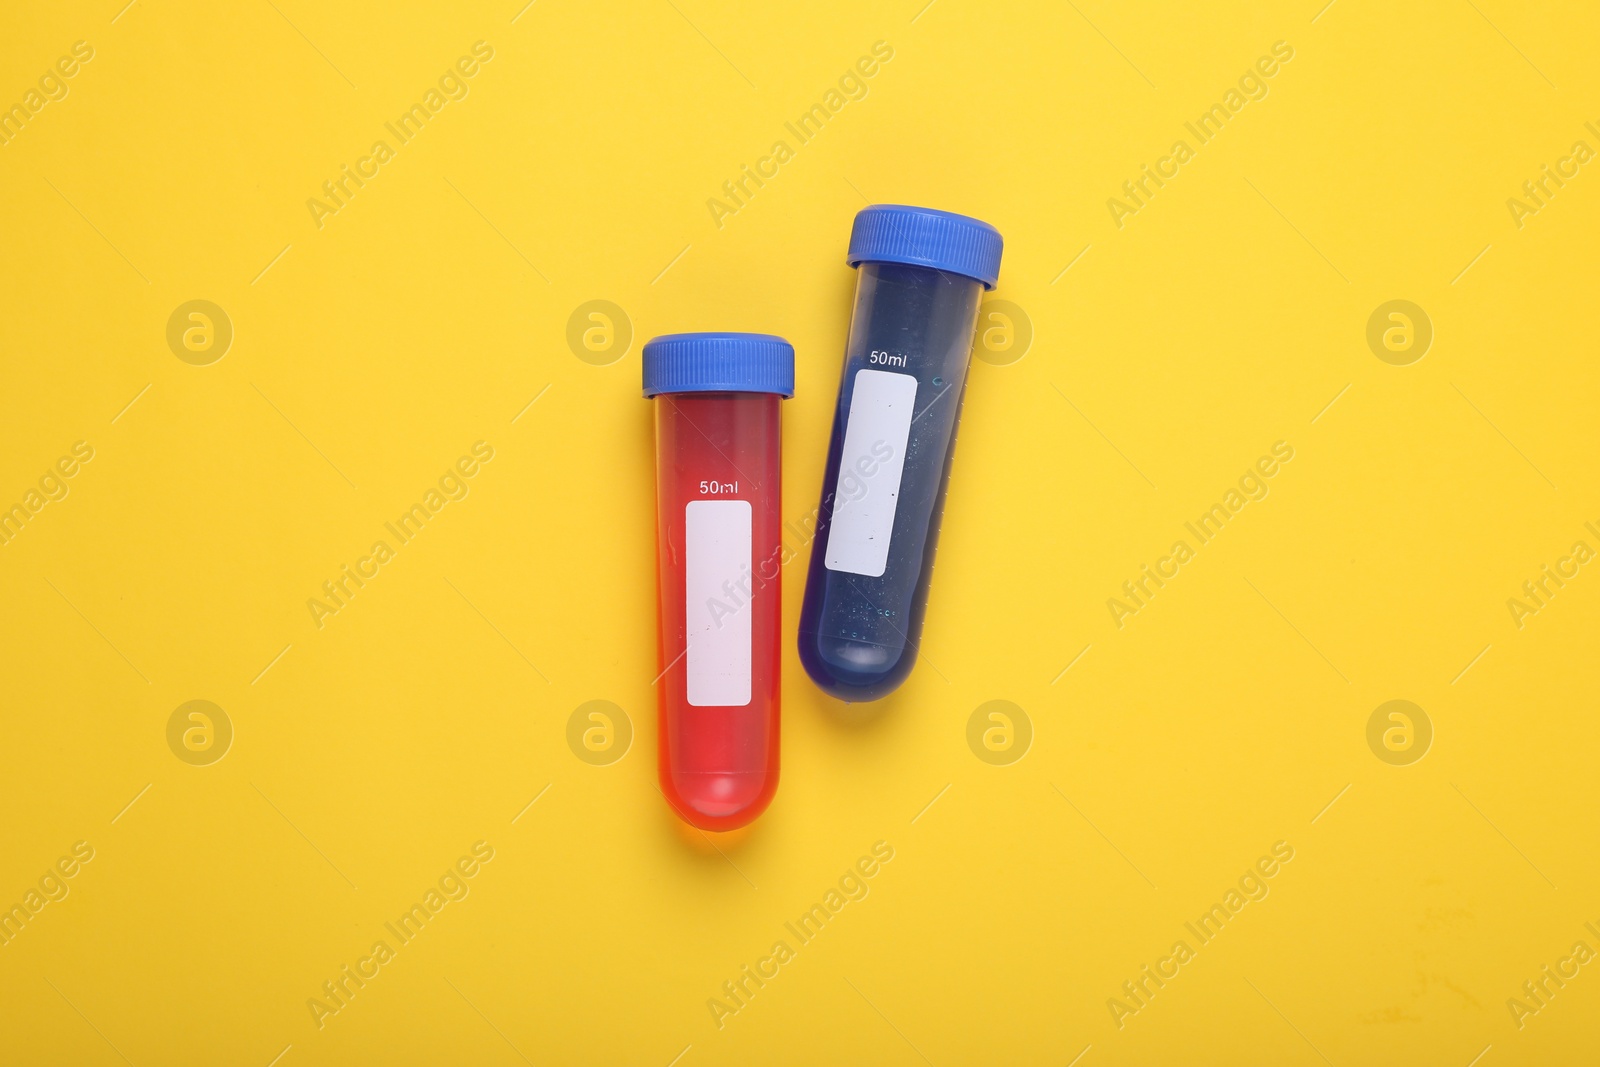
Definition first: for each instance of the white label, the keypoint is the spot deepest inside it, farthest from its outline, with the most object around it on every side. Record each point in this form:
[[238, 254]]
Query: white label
[[870, 465], [717, 562]]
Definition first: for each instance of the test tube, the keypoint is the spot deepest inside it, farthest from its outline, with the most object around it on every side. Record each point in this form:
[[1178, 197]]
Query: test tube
[[921, 275], [719, 544]]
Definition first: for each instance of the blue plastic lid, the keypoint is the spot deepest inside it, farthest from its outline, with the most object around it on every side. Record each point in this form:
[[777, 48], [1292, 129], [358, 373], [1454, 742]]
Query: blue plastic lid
[[718, 363], [923, 237]]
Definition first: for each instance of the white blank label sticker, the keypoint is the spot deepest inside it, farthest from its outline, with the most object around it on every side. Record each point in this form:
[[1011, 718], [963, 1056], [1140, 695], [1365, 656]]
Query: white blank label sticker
[[716, 611], [870, 465]]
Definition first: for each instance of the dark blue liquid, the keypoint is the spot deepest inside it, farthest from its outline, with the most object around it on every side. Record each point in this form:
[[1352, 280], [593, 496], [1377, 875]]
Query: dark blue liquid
[[859, 634]]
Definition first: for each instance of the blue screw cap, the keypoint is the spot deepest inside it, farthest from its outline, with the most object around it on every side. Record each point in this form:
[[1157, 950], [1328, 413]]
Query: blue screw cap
[[718, 363], [924, 237]]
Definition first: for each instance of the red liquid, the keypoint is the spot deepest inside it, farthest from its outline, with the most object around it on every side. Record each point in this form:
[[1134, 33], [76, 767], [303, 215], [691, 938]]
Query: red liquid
[[719, 531]]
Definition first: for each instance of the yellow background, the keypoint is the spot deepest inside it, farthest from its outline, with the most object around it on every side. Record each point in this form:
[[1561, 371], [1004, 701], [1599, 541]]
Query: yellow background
[[428, 313]]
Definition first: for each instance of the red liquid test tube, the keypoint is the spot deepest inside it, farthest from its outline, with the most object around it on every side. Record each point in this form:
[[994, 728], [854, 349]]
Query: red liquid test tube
[[719, 552]]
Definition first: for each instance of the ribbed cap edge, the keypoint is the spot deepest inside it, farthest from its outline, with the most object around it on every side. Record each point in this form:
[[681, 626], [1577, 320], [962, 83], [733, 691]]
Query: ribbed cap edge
[[718, 363], [925, 237]]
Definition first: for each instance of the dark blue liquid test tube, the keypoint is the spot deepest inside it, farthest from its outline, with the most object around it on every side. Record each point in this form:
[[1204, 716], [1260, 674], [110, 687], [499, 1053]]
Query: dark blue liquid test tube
[[921, 275]]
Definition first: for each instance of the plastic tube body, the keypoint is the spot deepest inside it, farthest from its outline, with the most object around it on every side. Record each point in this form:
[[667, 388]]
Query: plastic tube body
[[894, 430], [718, 539]]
